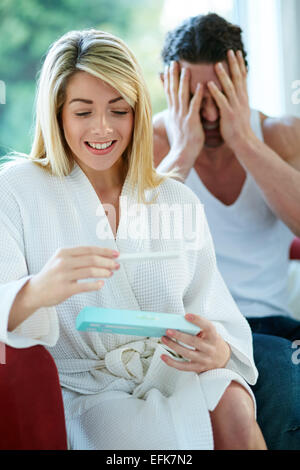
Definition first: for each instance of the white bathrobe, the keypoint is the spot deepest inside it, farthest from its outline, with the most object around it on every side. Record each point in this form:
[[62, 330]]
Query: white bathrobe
[[118, 393]]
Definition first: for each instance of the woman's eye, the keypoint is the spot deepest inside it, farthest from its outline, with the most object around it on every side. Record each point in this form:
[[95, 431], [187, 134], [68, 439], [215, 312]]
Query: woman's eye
[[120, 112], [82, 114]]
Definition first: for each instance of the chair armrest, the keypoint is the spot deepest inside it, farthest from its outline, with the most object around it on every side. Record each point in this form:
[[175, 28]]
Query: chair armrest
[[31, 405]]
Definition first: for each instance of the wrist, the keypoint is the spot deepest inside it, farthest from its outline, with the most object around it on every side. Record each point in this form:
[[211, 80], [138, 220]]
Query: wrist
[[23, 306], [185, 157], [176, 161], [225, 353], [31, 295], [244, 144]]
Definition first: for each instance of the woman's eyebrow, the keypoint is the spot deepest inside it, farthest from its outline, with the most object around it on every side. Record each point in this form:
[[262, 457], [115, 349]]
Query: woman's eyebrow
[[116, 99], [83, 100]]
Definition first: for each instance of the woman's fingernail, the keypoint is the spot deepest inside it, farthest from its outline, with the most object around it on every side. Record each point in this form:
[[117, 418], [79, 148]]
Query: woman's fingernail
[[170, 332], [190, 316]]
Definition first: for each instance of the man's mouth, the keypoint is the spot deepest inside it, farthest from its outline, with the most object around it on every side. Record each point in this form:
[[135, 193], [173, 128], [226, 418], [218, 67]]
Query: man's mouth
[[211, 127]]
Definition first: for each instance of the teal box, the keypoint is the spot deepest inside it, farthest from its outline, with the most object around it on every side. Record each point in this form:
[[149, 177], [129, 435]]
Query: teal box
[[132, 322]]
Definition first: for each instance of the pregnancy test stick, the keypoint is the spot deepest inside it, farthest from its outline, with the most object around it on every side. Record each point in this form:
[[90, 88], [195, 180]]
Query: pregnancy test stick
[[136, 257], [148, 256]]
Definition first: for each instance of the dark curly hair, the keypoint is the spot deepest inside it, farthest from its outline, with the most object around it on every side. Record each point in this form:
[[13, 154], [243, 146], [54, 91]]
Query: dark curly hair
[[203, 39]]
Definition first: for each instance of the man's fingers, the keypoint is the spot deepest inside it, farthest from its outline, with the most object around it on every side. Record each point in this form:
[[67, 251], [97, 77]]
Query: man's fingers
[[242, 65], [184, 90], [196, 101], [218, 96], [167, 85], [235, 71], [226, 83], [174, 83]]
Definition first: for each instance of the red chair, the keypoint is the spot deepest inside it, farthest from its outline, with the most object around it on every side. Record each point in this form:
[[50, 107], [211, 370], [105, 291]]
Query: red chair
[[295, 250], [31, 406]]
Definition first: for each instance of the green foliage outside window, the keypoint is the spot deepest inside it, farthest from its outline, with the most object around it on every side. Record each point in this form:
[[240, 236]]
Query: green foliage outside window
[[28, 27]]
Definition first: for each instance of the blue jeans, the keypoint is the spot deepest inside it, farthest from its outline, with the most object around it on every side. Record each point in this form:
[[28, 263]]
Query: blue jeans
[[277, 390]]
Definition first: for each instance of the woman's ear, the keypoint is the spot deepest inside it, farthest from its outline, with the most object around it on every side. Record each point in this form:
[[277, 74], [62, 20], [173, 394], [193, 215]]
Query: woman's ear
[[161, 76]]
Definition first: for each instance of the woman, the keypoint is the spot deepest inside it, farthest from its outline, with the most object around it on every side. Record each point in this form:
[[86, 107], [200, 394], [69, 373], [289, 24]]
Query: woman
[[93, 150]]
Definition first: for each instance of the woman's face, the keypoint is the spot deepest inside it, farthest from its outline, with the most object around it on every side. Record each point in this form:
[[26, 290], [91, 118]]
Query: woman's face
[[97, 122]]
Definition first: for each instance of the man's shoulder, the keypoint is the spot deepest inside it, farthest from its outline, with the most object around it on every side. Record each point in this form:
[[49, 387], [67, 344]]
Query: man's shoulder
[[160, 137], [282, 134]]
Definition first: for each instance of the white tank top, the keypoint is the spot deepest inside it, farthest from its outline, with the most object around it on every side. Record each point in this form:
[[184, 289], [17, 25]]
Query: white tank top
[[252, 245]]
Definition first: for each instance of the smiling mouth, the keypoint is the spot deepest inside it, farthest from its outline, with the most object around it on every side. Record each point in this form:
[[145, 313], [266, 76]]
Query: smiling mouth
[[100, 146]]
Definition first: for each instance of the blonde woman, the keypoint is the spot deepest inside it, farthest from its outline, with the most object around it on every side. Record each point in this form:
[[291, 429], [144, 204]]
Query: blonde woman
[[63, 228]]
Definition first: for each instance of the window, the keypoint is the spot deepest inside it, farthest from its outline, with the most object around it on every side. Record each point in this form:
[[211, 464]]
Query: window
[[175, 11]]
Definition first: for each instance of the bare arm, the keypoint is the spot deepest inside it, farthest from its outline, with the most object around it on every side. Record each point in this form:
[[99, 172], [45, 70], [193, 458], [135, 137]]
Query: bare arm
[[58, 280], [279, 181], [178, 133], [274, 164]]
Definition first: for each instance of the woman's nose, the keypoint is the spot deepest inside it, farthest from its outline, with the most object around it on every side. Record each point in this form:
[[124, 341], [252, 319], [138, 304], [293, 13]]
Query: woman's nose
[[101, 124]]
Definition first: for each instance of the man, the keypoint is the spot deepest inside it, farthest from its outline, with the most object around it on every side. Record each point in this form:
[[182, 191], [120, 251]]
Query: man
[[245, 168]]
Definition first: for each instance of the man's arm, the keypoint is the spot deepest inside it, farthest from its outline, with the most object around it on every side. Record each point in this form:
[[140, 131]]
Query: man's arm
[[178, 132], [276, 174], [283, 136], [275, 166], [161, 144]]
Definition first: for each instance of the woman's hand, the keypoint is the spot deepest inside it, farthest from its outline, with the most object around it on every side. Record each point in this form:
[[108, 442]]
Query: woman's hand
[[210, 350], [233, 102], [57, 281], [183, 126]]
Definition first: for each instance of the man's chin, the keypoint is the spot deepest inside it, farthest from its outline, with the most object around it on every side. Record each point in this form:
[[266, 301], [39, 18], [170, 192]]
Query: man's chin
[[213, 143]]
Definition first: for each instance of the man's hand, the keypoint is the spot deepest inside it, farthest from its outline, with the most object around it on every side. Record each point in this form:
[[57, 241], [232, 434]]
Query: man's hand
[[233, 102], [184, 128], [209, 351]]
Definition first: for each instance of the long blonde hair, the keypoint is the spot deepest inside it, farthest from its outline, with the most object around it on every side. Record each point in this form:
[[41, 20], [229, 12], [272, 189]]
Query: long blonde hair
[[108, 58]]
